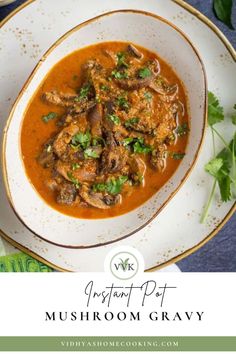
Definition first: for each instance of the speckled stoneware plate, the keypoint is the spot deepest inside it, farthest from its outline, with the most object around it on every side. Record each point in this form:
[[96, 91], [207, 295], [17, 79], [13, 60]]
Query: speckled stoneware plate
[[157, 35], [177, 231]]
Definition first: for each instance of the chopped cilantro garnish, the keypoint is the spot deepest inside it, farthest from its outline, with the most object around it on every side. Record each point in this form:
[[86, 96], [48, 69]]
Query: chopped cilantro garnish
[[141, 148], [112, 186], [99, 187], [131, 122], [177, 155], [128, 141], [47, 117], [75, 166], [121, 56], [119, 74], [144, 72], [114, 119], [91, 153], [148, 96], [182, 129], [82, 140], [104, 88], [74, 180], [123, 103], [83, 92], [138, 145]]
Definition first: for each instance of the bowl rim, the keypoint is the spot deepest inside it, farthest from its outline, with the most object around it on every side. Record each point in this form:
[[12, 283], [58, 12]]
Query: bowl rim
[[30, 78]]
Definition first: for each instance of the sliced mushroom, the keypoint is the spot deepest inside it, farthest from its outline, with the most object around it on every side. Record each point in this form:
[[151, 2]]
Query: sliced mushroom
[[113, 160], [95, 120], [60, 145], [137, 168], [158, 158], [85, 173], [47, 156], [110, 139], [82, 106], [134, 51], [60, 99], [97, 200]]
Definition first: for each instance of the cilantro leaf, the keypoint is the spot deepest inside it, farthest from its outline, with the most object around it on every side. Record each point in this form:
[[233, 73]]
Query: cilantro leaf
[[119, 74], [112, 186], [74, 180], [104, 88], [90, 152], [141, 148], [182, 129], [81, 139], [132, 121], [47, 117], [177, 155], [121, 56], [148, 96], [215, 111], [123, 103], [214, 166], [138, 145], [220, 167], [223, 10], [75, 166], [113, 118], [224, 183], [144, 72], [83, 92], [99, 187], [127, 141]]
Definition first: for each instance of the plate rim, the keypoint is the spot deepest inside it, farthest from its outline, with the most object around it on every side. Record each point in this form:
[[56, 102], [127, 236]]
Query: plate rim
[[45, 55], [192, 250]]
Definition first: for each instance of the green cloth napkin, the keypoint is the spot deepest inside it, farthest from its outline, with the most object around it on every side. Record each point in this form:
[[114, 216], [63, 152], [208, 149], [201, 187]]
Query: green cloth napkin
[[20, 262]]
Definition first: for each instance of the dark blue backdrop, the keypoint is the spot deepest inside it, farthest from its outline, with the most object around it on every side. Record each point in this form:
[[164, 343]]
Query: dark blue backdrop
[[218, 255]]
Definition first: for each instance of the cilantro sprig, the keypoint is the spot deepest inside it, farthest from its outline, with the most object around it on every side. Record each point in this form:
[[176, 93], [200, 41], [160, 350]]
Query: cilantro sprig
[[222, 167]]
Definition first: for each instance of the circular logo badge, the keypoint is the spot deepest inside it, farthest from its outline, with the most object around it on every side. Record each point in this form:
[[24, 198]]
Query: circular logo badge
[[124, 263]]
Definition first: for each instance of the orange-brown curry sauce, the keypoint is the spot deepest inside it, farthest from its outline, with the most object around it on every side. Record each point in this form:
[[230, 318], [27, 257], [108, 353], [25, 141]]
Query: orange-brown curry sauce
[[65, 76]]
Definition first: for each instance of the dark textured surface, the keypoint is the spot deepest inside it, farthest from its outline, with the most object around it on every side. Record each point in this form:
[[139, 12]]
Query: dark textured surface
[[218, 255]]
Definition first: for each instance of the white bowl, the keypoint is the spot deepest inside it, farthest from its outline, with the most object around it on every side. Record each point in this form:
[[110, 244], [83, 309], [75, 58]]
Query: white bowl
[[153, 33]]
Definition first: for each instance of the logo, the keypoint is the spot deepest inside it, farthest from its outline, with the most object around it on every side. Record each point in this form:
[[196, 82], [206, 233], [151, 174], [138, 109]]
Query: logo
[[124, 263]]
